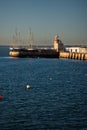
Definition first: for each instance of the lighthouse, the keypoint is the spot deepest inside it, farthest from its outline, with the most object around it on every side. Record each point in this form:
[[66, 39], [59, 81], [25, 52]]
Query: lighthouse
[[58, 45]]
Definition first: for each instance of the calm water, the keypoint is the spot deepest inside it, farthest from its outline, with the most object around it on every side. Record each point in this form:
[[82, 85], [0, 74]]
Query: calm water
[[4, 51], [56, 100]]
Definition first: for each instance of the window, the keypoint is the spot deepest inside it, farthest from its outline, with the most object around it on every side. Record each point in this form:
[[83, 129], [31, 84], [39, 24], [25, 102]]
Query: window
[[75, 50]]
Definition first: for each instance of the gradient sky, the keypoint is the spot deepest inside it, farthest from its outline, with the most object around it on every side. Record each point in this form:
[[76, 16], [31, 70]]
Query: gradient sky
[[46, 18]]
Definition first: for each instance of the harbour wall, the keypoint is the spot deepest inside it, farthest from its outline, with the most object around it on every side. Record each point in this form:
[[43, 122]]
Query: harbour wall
[[35, 54], [48, 54], [73, 55]]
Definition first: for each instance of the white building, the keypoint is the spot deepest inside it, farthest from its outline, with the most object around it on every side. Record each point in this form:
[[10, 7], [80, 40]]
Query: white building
[[76, 49]]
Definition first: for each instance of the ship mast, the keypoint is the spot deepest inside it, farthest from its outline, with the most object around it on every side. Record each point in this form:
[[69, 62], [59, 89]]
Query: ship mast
[[30, 39], [15, 39]]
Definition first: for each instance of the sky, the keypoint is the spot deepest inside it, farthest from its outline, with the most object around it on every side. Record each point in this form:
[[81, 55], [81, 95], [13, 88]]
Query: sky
[[45, 19]]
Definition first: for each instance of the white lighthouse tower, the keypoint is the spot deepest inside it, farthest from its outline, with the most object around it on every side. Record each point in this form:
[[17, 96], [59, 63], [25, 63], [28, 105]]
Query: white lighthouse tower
[[58, 45]]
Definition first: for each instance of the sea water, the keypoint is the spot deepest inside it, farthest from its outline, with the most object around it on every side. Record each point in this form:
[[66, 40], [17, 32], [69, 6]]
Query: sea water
[[56, 99]]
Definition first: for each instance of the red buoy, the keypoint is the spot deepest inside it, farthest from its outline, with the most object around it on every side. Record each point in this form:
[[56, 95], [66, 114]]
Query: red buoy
[[0, 97]]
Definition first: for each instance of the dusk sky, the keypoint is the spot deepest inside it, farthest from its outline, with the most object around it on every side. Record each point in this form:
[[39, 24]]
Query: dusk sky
[[46, 18]]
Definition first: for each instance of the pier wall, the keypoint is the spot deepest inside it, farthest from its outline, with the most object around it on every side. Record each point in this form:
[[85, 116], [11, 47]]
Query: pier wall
[[73, 55], [35, 53], [49, 54]]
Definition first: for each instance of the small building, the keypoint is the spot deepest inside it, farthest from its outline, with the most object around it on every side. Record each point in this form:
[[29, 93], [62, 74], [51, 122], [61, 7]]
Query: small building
[[76, 49], [58, 45], [72, 49]]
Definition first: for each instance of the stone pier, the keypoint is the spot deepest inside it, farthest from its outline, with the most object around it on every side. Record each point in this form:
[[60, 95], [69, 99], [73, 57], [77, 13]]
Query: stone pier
[[73, 55]]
